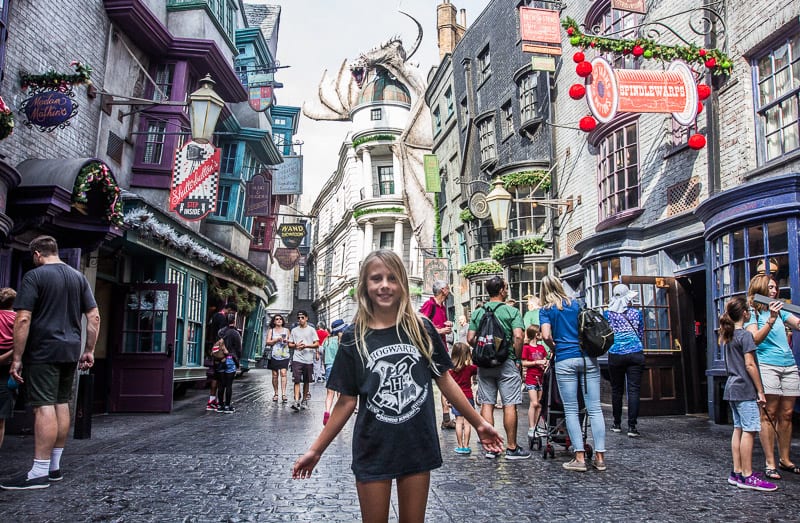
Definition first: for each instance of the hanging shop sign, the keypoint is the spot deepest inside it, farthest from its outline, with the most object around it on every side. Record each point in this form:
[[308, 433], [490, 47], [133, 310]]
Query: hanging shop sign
[[258, 199], [287, 178], [540, 31], [287, 258], [49, 110], [633, 6], [434, 269], [195, 181], [432, 181], [292, 234], [260, 98], [610, 91], [543, 63]]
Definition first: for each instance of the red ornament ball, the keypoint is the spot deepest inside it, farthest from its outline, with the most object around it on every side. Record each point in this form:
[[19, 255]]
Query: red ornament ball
[[699, 107], [570, 31], [637, 50], [697, 142], [592, 43], [701, 52], [711, 63], [587, 124], [583, 69], [578, 57], [703, 91], [577, 91]]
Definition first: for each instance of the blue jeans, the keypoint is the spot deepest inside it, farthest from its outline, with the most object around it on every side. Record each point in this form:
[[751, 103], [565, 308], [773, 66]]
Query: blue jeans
[[569, 373]]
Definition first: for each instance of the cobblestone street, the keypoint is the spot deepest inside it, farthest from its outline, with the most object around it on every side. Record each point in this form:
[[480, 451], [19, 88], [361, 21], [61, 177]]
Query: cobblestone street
[[194, 465]]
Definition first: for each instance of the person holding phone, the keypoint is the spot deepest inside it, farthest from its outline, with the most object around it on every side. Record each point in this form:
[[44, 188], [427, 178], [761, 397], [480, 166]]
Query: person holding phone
[[278, 363]]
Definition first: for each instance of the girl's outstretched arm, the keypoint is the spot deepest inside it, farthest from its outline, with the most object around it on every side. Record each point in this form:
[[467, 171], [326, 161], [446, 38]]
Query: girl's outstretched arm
[[341, 413], [490, 438]]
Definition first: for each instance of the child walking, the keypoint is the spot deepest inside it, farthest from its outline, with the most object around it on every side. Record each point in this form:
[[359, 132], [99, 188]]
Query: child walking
[[744, 392], [386, 362], [463, 370], [534, 359]]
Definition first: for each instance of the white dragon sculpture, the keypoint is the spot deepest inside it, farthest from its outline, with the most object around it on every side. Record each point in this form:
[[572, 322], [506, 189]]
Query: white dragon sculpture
[[338, 97]]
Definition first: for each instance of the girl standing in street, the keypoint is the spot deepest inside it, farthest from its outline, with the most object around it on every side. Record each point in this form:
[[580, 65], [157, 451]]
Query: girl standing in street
[[386, 361], [278, 363], [559, 322], [743, 392], [463, 370], [534, 360]]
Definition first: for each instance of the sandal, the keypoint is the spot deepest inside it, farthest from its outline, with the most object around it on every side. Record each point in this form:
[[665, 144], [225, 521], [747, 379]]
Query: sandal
[[275, 398], [794, 469], [771, 473], [284, 400]]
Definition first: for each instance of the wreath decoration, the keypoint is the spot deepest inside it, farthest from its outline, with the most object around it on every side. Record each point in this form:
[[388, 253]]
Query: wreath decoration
[[53, 81], [92, 175], [6, 120]]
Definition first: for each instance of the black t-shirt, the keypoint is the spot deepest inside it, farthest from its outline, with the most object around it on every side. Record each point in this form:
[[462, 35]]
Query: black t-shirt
[[395, 432], [233, 342], [218, 322], [56, 295]]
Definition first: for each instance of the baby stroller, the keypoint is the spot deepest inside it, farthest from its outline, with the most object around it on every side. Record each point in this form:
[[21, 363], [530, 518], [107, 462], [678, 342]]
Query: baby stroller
[[555, 424]]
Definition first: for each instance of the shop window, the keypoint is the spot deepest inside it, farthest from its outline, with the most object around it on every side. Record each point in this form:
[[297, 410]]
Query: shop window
[[507, 123], [477, 293], [223, 200], [448, 100], [228, 160], [386, 240], [484, 65], [524, 280], [386, 180], [526, 219], [487, 140], [154, 142], [777, 74], [164, 76], [527, 87], [620, 25], [463, 254], [618, 171], [483, 237]]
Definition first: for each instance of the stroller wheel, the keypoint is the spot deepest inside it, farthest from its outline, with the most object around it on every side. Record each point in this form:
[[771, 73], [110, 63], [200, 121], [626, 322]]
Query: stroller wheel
[[537, 442], [544, 453], [588, 450], [552, 451]]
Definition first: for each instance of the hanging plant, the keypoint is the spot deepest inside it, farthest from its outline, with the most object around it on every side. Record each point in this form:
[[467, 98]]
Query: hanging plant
[[712, 59], [373, 138], [528, 179], [466, 216], [502, 251], [242, 272], [481, 267], [6, 120], [96, 174], [57, 81]]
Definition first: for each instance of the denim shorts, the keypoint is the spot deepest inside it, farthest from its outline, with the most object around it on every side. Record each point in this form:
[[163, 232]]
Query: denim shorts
[[455, 411], [746, 415], [529, 387], [328, 372]]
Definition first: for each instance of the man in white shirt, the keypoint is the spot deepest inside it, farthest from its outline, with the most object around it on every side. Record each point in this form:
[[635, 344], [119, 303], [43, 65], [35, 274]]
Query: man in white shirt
[[304, 341]]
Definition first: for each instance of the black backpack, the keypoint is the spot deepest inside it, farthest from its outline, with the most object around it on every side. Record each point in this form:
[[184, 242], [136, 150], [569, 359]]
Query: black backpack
[[492, 344], [594, 333]]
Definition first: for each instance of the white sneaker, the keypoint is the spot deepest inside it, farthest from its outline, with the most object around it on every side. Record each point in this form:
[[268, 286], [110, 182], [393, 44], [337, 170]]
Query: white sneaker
[[304, 405], [532, 432]]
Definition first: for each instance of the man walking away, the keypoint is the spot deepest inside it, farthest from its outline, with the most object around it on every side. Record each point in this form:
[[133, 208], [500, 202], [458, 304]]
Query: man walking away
[[435, 309], [47, 350], [504, 379]]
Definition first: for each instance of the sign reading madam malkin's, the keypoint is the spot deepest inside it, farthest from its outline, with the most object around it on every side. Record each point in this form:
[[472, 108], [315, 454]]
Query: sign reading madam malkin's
[[49, 110], [292, 234], [195, 181]]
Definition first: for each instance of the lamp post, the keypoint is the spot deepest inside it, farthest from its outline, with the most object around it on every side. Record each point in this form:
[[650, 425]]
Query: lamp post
[[499, 202], [205, 106]]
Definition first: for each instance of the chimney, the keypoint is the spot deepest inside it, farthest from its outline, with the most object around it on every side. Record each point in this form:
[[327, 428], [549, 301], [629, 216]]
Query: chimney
[[449, 30], [462, 14]]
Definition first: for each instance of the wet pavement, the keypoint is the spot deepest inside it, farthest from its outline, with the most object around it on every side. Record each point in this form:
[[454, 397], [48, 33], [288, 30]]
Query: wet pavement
[[199, 466]]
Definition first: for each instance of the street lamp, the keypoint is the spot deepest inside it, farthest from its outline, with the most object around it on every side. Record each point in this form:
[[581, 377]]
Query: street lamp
[[499, 202], [205, 106]]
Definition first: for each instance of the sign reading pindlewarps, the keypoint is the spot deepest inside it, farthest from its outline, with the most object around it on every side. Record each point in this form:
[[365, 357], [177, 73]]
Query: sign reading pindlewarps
[[49, 110], [292, 234], [258, 198], [287, 178], [195, 181]]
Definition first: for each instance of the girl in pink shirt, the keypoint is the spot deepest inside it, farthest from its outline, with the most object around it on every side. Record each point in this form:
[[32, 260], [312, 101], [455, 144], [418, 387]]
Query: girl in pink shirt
[[463, 370]]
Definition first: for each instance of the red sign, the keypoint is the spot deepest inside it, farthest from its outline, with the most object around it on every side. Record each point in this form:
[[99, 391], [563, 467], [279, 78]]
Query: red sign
[[634, 6], [287, 258], [260, 98], [258, 199], [195, 181], [539, 25], [638, 91]]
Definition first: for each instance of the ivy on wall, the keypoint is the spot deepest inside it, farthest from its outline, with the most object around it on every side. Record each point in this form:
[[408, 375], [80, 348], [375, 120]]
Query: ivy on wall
[[481, 267], [373, 138], [466, 216], [518, 248], [391, 210], [528, 179]]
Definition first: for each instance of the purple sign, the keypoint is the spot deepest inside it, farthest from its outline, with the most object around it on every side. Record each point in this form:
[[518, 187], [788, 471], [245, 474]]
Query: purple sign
[[49, 110], [258, 196]]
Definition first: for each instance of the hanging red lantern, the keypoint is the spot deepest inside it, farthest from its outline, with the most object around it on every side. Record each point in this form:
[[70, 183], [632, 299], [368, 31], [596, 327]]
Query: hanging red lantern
[[578, 57], [583, 69], [587, 124], [638, 50], [703, 91], [570, 31], [697, 141], [711, 63], [699, 107], [577, 91]]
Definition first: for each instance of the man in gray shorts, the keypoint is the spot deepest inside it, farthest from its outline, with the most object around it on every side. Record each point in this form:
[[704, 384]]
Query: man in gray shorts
[[504, 379], [47, 351]]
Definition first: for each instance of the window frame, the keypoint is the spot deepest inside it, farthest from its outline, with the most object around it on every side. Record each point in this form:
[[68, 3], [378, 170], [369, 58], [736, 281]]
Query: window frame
[[484, 59], [607, 157], [487, 138], [385, 177]]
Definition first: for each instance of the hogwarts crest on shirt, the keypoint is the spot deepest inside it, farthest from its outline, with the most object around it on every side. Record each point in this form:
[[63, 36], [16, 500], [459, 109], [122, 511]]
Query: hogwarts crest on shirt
[[398, 396]]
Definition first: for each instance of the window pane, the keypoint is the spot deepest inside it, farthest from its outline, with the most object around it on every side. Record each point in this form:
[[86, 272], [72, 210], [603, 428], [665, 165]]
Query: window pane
[[778, 238], [755, 241], [738, 245]]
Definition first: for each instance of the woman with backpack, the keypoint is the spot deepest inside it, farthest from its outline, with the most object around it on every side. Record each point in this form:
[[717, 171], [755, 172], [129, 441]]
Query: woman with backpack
[[625, 357], [558, 318]]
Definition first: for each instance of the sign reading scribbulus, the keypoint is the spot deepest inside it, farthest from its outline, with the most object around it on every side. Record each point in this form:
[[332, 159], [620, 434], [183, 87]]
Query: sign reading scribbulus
[[258, 198], [642, 91], [292, 234], [49, 110], [195, 181]]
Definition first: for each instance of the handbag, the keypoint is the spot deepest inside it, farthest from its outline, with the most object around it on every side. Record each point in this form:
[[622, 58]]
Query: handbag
[[219, 352]]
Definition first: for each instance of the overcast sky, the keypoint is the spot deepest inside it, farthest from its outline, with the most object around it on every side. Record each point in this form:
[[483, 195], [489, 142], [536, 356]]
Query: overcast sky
[[317, 34]]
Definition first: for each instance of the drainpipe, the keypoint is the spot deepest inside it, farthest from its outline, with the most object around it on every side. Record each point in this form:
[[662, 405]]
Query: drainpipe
[[712, 112]]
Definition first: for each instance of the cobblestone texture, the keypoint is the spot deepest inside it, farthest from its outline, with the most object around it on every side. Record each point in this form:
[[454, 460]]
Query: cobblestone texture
[[198, 466]]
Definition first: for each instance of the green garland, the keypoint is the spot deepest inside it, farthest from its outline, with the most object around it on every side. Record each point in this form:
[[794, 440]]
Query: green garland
[[466, 216], [528, 179], [373, 138], [713, 59], [481, 267], [243, 273], [6, 120], [58, 81], [222, 291], [391, 210], [92, 175], [502, 251]]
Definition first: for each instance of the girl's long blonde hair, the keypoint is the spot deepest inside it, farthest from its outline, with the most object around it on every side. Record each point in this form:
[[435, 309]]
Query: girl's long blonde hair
[[553, 293], [408, 320], [461, 354]]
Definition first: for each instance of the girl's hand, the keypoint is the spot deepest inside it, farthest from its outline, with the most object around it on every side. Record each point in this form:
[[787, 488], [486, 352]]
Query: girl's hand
[[305, 464], [489, 437], [762, 400]]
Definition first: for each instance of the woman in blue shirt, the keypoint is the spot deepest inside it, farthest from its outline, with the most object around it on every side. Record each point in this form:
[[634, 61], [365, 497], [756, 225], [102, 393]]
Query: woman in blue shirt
[[558, 318], [625, 357], [778, 370]]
